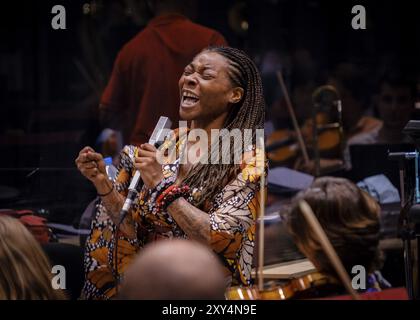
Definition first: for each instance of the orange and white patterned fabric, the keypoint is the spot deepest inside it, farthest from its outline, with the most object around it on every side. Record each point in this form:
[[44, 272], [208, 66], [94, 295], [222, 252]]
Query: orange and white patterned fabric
[[233, 213]]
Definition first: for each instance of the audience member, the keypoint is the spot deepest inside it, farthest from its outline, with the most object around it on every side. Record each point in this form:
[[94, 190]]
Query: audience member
[[174, 269], [25, 272]]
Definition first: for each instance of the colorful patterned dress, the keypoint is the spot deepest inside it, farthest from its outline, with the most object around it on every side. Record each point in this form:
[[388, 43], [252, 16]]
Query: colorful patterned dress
[[232, 212]]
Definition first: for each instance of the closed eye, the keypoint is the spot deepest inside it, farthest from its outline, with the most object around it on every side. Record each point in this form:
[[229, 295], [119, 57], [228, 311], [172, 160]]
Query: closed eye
[[207, 76]]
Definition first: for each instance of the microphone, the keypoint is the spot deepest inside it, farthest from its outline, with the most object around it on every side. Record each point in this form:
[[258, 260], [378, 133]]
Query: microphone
[[156, 139], [396, 156]]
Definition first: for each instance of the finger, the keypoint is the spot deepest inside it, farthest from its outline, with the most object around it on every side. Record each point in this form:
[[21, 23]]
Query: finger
[[94, 173], [93, 156], [142, 166], [86, 158], [147, 147], [89, 165], [86, 149], [90, 173], [140, 160], [146, 153]]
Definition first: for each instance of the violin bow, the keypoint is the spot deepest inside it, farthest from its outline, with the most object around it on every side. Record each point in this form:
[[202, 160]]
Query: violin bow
[[328, 248], [293, 117], [261, 166]]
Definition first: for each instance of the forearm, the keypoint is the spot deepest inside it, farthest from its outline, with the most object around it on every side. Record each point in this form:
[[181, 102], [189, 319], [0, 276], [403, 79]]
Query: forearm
[[113, 203], [193, 221]]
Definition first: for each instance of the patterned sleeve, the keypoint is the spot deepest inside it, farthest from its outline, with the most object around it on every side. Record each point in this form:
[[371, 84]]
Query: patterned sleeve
[[125, 169], [127, 247], [100, 246], [233, 222]]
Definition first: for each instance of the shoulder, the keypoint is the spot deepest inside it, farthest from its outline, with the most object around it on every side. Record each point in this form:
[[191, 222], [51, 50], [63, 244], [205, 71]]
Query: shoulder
[[253, 165], [134, 48], [128, 153], [367, 137], [368, 123], [197, 27]]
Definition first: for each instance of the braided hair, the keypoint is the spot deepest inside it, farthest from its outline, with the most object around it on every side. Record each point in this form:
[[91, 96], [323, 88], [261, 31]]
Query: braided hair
[[248, 113]]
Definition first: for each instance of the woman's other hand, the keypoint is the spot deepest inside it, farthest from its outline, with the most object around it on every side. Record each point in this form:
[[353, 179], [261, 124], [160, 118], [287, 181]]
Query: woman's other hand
[[91, 164]]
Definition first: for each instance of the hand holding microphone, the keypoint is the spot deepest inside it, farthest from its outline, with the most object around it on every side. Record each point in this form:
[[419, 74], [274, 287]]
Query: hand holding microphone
[[148, 171], [147, 164]]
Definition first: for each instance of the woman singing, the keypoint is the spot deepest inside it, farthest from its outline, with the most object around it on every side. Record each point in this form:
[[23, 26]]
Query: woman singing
[[215, 204]]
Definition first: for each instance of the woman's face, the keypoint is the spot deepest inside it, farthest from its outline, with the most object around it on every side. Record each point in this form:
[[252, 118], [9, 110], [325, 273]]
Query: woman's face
[[206, 91]]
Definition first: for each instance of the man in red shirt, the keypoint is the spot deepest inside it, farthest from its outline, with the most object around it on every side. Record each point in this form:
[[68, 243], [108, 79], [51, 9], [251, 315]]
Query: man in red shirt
[[144, 82]]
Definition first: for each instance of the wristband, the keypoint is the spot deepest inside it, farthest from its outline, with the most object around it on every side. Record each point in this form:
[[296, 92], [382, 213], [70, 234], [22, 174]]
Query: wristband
[[108, 193]]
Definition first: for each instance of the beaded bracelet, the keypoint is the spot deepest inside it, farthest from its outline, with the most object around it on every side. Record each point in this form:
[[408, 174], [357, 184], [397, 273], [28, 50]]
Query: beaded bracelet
[[172, 193], [157, 191]]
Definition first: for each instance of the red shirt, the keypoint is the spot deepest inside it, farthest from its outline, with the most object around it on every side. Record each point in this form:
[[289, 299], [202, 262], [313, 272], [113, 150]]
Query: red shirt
[[144, 82]]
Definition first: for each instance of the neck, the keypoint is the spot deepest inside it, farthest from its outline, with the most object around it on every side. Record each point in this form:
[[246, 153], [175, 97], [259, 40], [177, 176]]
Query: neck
[[208, 125]]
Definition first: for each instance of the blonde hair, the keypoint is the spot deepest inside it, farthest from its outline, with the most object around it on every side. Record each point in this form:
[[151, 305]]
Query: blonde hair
[[25, 272]]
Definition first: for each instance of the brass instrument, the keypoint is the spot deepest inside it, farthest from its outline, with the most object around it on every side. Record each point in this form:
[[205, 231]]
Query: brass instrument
[[326, 101]]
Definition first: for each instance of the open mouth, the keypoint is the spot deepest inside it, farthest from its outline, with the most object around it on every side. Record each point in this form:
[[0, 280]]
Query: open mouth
[[189, 99]]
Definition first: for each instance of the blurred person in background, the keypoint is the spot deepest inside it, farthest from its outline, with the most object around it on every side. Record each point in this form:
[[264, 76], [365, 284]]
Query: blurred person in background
[[395, 104], [110, 144], [25, 272], [350, 82], [174, 270]]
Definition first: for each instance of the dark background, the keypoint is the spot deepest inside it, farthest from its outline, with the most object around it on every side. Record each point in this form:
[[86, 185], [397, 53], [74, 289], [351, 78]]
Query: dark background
[[51, 80]]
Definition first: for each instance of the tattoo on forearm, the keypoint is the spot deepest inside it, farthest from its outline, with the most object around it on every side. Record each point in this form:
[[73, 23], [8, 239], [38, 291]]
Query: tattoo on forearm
[[113, 204], [193, 221]]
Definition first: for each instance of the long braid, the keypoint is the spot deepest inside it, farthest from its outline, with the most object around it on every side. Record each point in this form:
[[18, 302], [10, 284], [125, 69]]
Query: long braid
[[249, 113]]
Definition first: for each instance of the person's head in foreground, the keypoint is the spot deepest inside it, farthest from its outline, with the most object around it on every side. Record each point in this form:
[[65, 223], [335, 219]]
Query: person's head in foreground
[[25, 272], [350, 219], [174, 269]]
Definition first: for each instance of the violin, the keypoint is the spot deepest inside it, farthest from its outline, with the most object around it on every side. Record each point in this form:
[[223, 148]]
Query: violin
[[328, 138], [287, 149], [312, 285], [284, 145], [322, 136]]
